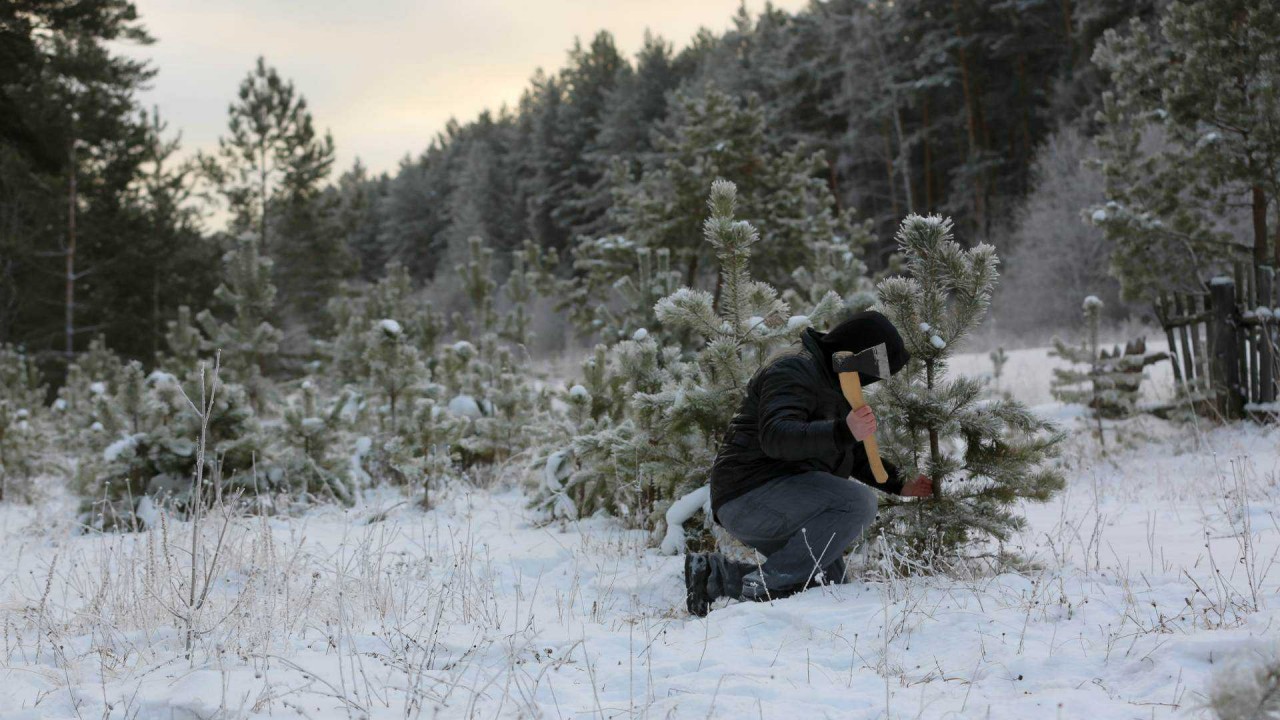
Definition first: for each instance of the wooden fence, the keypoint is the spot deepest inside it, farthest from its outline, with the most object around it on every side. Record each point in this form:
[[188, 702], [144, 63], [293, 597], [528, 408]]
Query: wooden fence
[[1222, 343]]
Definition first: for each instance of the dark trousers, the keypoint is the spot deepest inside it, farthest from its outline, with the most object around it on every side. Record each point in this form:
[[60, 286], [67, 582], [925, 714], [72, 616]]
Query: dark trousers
[[802, 524]]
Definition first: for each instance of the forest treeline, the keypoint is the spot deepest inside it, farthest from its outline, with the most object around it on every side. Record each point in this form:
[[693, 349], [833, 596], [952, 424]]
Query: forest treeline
[[924, 106]]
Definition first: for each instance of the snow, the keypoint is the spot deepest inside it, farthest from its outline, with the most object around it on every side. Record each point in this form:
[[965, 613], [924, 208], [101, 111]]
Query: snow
[[1221, 280], [1099, 215], [640, 334], [796, 322], [159, 377], [480, 608], [937, 342], [355, 464], [1263, 407], [679, 512], [147, 512], [925, 327], [98, 388], [579, 393], [124, 445], [1092, 302], [465, 406], [390, 327]]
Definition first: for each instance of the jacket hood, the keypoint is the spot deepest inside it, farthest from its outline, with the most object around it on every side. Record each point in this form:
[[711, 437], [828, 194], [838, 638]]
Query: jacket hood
[[861, 331]]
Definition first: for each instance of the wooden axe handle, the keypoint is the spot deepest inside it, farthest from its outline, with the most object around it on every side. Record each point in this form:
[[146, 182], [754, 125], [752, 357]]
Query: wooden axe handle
[[851, 385]]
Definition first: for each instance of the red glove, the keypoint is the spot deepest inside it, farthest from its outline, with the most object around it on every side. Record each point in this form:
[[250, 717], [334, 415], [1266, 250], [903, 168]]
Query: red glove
[[920, 487]]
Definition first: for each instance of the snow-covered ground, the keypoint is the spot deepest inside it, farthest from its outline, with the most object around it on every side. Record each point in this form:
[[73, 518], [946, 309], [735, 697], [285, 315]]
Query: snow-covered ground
[[1150, 571]]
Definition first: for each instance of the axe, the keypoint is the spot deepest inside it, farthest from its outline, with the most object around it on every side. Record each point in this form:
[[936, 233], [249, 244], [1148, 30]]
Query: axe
[[871, 363]]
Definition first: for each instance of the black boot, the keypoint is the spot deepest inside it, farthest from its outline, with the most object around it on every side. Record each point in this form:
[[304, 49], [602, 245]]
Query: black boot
[[832, 574], [696, 573]]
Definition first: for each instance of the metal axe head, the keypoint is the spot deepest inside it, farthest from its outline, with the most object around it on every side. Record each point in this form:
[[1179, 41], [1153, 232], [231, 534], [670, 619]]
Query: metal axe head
[[870, 364]]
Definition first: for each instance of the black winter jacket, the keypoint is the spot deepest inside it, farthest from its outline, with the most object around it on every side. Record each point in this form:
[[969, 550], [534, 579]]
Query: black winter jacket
[[791, 422]]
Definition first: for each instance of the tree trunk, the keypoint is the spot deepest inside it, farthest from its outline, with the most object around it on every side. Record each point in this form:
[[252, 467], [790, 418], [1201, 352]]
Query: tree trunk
[[928, 154], [1024, 91], [1071, 48], [1259, 228], [888, 170], [935, 450], [971, 118], [69, 327], [262, 192]]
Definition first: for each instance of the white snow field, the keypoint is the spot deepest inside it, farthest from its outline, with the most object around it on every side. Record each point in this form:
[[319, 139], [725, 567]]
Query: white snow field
[[1149, 573]]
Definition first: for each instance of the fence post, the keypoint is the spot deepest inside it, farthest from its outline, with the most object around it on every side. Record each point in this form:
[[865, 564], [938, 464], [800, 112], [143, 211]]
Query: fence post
[[1266, 356], [1224, 349]]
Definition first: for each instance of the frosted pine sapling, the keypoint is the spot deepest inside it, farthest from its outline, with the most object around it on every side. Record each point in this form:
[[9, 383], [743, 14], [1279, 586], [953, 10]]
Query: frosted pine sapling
[[21, 415], [530, 276], [998, 359], [479, 287], [308, 461], [395, 368], [248, 341], [984, 455]]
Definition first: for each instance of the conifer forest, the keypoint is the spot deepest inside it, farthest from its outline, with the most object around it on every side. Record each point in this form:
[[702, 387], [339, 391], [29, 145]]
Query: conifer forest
[[283, 434]]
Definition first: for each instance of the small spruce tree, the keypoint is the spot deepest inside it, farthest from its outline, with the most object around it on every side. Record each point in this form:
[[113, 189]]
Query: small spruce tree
[[984, 455]]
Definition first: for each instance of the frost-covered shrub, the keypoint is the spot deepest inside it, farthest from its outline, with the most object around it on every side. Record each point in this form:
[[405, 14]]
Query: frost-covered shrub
[[22, 422], [615, 285], [150, 455], [309, 463], [394, 369], [356, 310]]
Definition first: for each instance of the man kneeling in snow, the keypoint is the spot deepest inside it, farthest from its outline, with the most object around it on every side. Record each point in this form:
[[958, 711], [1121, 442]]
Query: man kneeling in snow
[[780, 481]]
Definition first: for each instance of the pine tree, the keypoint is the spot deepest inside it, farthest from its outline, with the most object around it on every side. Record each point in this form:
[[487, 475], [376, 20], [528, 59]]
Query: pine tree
[[272, 149], [1204, 83], [269, 169], [184, 340], [147, 455], [984, 455], [713, 136], [615, 286], [248, 342], [531, 275], [357, 309], [309, 462], [395, 369], [479, 286], [21, 422]]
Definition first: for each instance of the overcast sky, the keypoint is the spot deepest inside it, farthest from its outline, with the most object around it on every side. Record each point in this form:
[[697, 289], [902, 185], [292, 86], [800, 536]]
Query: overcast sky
[[385, 75]]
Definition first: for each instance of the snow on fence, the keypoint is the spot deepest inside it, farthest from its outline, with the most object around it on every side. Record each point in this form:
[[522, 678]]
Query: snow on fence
[[1222, 342]]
